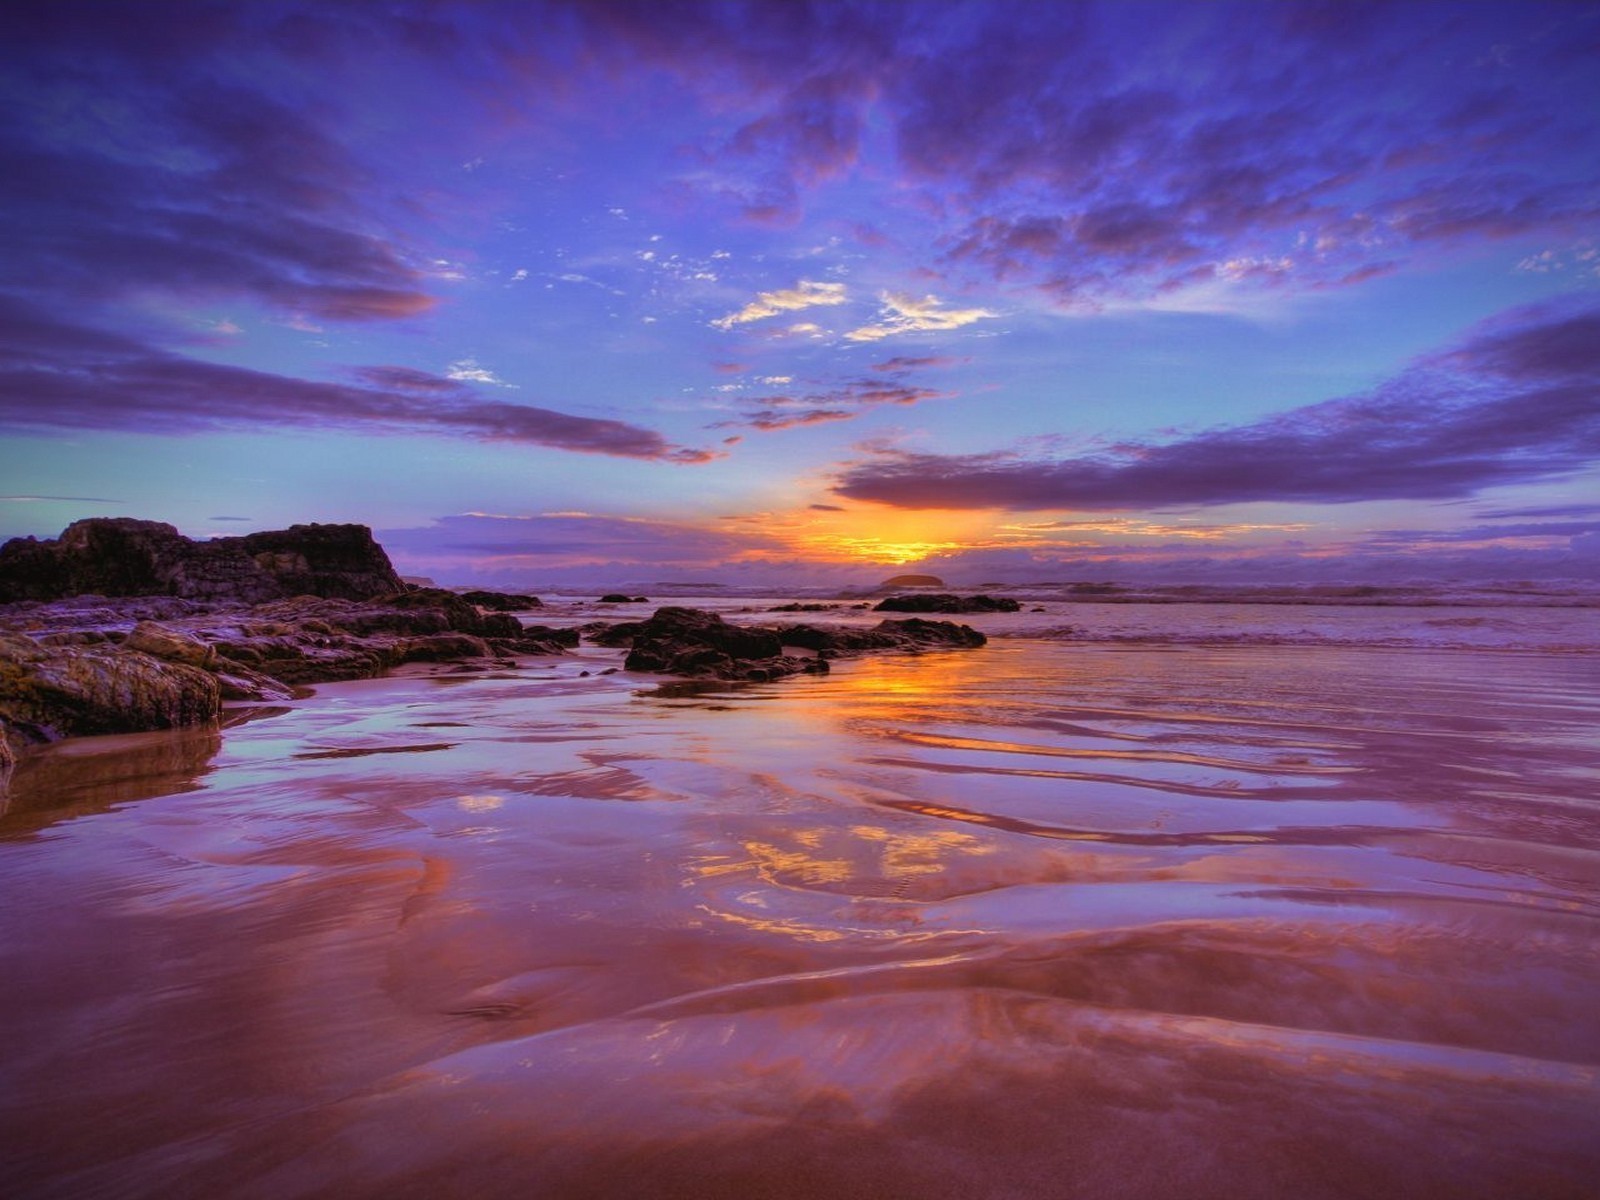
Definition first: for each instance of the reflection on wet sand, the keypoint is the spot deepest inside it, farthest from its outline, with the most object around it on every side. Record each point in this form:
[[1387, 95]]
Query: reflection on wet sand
[[1045, 922], [90, 775]]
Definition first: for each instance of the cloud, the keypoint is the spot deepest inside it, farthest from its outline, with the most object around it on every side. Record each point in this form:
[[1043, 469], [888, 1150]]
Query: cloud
[[486, 543], [772, 419], [127, 176], [1541, 531], [1518, 399], [907, 314], [51, 499], [1537, 512], [468, 370], [1070, 156], [805, 294], [55, 375], [842, 403], [901, 362]]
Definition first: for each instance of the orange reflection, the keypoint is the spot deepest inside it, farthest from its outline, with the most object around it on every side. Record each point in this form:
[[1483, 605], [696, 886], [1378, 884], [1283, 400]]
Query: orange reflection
[[862, 859]]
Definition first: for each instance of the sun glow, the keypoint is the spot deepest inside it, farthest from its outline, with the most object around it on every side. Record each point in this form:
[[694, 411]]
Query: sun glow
[[877, 550], [881, 535]]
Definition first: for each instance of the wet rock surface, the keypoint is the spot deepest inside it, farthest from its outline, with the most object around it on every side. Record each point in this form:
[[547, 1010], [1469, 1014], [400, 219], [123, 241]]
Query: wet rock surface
[[96, 664], [53, 692], [946, 602], [697, 644]]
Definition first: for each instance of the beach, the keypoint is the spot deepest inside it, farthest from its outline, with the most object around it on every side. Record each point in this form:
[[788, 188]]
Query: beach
[[1134, 901]]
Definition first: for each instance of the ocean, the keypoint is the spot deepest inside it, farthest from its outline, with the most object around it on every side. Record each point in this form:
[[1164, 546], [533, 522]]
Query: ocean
[[1169, 899]]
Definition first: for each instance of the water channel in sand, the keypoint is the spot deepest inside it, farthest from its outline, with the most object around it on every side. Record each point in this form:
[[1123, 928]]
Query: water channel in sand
[[1040, 920]]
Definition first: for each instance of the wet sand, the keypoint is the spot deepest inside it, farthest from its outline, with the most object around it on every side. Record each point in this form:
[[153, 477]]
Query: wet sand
[[1043, 920]]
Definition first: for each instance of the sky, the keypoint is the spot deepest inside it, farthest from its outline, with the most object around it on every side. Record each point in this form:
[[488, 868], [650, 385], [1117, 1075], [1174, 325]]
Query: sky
[[813, 293]]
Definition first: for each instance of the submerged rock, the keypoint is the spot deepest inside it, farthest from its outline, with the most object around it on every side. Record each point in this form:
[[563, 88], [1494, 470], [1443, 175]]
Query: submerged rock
[[945, 602]]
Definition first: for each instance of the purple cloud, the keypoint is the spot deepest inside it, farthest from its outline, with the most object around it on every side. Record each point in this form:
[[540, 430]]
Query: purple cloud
[[1540, 512], [1331, 156], [500, 542], [186, 185], [902, 362], [54, 376], [1517, 400], [843, 403]]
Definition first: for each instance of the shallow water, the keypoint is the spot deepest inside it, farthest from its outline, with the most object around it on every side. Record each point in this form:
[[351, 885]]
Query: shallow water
[[1039, 920]]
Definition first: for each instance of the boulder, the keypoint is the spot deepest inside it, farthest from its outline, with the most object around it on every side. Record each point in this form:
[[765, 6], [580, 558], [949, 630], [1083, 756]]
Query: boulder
[[945, 602], [158, 641], [51, 692], [687, 641], [913, 633], [501, 601]]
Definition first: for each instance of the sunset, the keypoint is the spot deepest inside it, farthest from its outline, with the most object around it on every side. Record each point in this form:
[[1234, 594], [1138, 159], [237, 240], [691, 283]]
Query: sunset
[[800, 600], [1202, 291]]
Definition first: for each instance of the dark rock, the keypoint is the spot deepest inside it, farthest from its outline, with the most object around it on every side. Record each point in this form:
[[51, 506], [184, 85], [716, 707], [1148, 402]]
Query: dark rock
[[913, 633], [321, 560], [158, 641], [501, 601], [687, 641], [611, 633], [441, 647], [944, 602], [619, 598], [546, 635], [925, 635], [120, 556], [798, 607]]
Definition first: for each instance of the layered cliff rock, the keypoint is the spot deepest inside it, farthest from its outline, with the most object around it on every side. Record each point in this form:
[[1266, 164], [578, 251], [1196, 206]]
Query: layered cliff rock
[[120, 556]]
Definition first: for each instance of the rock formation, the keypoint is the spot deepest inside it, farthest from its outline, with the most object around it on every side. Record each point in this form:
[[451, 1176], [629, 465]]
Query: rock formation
[[499, 601], [687, 641], [50, 692], [944, 602], [99, 665], [120, 556]]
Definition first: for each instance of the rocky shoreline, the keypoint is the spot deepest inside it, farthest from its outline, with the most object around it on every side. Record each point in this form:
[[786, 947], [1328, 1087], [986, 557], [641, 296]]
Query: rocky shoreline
[[177, 628]]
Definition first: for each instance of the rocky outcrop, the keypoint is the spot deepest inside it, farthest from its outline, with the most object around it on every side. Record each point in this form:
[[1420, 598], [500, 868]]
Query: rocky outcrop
[[120, 556], [697, 644], [945, 602], [50, 692], [911, 634], [690, 642], [501, 601], [107, 665], [338, 561]]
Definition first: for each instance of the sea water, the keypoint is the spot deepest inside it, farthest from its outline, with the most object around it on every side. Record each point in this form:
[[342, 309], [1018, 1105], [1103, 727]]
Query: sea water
[[1136, 901]]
